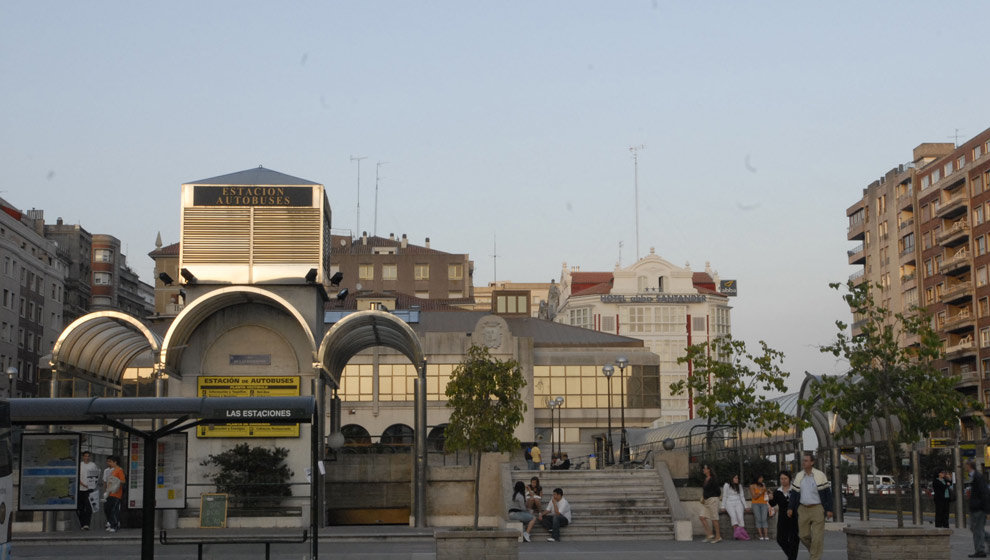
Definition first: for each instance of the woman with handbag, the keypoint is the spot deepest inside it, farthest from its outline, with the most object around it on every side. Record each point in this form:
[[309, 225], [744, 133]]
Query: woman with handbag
[[734, 503], [709, 505], [758, 497]]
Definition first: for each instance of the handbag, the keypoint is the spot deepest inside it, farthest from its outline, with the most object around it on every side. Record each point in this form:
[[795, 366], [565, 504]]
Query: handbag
[[740, 533]]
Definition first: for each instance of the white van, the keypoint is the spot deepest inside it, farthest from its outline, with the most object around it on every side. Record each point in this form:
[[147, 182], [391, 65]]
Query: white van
[[873, 482]]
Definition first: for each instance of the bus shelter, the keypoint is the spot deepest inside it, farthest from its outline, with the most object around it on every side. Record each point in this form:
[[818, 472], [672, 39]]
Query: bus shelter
[[176, 415]]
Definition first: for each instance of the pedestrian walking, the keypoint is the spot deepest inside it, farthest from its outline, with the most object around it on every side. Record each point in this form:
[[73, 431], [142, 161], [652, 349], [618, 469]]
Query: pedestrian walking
[[943, 494], [786, 498], [979, 505], [114, 493], [758, 499], [537, 456], [815, 505], [734, 503], [710, 497], [89, 478]]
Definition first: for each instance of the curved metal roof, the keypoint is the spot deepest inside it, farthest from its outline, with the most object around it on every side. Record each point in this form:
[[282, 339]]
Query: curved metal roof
[[366, 329], [102, 343], [96, 409], [826, 422], [203, 307]]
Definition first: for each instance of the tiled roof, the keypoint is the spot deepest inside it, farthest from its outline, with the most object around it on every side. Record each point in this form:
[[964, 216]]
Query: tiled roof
[[357, 247], [604, 288], [590, 277], [166, 251], [255, 176], [543, 332]]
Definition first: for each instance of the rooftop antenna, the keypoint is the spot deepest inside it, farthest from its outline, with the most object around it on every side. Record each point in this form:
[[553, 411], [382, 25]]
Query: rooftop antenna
[[378, 168], [620, 254], [495, 256], [635, 153], [955, 138], [358, 160]]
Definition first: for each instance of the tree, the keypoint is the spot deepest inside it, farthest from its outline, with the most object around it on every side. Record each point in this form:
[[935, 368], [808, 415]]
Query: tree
[[483, 393], [248, 473], [892, 377], [729, 383]]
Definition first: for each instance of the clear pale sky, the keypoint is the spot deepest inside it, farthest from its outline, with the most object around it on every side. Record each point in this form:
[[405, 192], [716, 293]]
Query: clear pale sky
[[762, 122]]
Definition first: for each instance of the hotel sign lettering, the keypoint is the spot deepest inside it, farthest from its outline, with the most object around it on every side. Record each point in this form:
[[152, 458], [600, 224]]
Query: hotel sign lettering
[[204, 195], [658, 298]]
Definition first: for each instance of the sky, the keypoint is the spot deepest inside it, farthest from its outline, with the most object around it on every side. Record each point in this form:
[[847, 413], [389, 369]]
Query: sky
[[504, 128]]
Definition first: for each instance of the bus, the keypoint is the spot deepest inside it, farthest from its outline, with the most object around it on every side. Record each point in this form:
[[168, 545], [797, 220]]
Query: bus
[[6, 480]]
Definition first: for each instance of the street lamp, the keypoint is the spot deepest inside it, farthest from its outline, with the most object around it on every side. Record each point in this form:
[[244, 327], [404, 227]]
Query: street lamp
[[622, 362], [11, 376], [608, 371], [559, 402], [551, 404]]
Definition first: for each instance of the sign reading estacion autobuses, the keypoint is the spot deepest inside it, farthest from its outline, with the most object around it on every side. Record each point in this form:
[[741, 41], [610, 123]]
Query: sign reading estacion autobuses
[[208, 195]]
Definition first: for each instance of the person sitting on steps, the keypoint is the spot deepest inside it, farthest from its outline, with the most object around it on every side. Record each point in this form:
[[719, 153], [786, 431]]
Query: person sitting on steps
[[557, 515]]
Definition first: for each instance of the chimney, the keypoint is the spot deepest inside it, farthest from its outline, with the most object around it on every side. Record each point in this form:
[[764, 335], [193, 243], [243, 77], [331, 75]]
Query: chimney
[[405, 241], [59, 220], [391, 237], [427, 242], [364, 238]]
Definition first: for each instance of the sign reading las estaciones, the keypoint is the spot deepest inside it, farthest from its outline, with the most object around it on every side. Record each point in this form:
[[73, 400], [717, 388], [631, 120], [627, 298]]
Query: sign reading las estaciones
[[248, 386]]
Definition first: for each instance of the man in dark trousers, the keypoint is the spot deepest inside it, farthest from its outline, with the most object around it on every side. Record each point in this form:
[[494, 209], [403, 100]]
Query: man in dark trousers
[[942, 494], [979, 503], [557, 515]]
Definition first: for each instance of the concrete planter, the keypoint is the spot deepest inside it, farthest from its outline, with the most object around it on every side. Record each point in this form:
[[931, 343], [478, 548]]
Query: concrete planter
[[488, 544], [908, 543]]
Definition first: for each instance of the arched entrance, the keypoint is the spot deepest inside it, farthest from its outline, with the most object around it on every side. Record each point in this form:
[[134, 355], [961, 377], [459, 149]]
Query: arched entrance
[[367, 329]]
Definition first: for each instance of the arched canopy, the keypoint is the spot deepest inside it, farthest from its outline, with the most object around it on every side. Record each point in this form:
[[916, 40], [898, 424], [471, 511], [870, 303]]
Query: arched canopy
[[825, 422], [363, 330], [102, 344], [193, 315]]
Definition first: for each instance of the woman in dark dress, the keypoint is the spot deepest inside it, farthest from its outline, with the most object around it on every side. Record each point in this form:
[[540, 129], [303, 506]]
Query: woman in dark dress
[[787, 498]]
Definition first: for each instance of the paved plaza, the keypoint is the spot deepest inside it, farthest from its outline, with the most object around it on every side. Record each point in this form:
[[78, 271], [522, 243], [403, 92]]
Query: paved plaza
[[401, 543]]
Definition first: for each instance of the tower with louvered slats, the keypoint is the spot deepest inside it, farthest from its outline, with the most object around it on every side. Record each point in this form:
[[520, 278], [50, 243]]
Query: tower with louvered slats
[[255, 227]]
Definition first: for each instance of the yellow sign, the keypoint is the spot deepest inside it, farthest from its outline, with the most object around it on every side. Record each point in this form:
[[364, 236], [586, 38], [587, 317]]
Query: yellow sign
[[941, 442], [248, 386]]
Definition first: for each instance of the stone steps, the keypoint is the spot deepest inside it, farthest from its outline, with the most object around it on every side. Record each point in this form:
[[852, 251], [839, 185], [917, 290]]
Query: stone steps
[[608, 505]]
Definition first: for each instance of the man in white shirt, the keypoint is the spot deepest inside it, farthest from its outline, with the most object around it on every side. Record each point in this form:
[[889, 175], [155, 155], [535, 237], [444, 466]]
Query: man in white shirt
[[816, 501], [557, 515], [89, 477]]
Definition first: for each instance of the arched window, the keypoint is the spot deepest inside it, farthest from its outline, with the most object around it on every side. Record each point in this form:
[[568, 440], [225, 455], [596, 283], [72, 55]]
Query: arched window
[[397, 434], [436, 439], [355, 435]]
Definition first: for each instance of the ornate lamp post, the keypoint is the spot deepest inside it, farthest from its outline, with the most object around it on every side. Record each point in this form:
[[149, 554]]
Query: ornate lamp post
[[559, 402], [622, 362], [551, 404], [608, 371]]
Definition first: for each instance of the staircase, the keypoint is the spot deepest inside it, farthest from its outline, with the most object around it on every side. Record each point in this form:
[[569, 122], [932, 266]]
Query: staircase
[[607, 504]]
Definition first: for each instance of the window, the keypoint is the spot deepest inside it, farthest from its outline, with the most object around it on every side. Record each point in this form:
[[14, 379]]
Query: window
[[608, 323], [960, 162], [421, 272], [939, 288], [936, 175], [512, 303], [984, 337], [984, 307], [366, 272], [978, 215], [927, 239], [101, 278], [981, 276], [389, 272], [103, 255], [455, 294], [423, 295], [881, 205], [6, 266], [981, 245], [929, 271], [977, 151], [455, 271], [925, 181], [660, 284], [580, 317], [907, 243], [947, 169]]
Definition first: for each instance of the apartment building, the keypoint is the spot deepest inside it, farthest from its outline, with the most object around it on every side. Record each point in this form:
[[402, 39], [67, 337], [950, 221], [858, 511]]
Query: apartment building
[[390, 264], [924, 235]]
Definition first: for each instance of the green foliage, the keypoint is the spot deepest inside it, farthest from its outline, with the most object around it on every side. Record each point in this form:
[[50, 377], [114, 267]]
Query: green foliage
[[892, 373], [484, 395], [251, 475], [739, 383], [727, 466], [892, 376]]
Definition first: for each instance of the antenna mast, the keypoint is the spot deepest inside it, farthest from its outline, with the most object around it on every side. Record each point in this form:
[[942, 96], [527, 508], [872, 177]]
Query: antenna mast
[[494, 259], [635, 153], [358, 160], [378, 168]]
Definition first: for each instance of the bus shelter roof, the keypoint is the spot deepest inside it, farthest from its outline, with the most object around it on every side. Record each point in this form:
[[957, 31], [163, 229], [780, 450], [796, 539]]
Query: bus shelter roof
[[226, 410]]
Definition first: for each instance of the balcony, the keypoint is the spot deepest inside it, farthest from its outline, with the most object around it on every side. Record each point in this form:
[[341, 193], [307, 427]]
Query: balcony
[[909, 281], [957, 292], [905, 224], [857, 255], [905, 200], [957, 264], [858, 276], [962, 350], [968, 378], [908, 256], [955, 235], [953, 207], [856, 231], [961, 321]]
